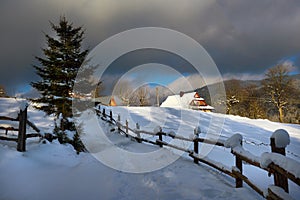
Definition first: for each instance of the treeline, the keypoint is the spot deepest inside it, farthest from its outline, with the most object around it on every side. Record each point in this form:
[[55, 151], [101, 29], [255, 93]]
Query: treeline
[[277, 97], [144, 95], [253, 102]]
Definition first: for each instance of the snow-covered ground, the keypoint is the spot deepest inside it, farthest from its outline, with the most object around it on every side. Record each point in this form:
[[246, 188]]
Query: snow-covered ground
[[10, 107], [54, 171]]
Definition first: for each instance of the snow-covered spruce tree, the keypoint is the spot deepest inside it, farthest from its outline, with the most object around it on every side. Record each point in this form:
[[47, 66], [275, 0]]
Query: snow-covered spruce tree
[[58, 68]]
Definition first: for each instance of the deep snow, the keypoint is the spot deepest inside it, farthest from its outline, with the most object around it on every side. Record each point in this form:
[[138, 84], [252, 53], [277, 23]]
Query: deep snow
[[54, 171]]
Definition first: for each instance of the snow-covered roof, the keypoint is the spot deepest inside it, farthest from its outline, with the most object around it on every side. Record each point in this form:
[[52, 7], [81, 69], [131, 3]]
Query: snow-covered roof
[[177, 101], [199, 99], [184, 101]]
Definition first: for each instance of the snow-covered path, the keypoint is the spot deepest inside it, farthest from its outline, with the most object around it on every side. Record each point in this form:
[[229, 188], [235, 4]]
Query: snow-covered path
[[53, 171]]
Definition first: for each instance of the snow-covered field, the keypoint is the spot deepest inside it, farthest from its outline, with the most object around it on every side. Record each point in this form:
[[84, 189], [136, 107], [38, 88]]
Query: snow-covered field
[[54, 171]]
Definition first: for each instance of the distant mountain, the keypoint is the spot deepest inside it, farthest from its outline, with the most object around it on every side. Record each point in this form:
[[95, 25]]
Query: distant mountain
[[296, 76], [297, 80], [205, 91]]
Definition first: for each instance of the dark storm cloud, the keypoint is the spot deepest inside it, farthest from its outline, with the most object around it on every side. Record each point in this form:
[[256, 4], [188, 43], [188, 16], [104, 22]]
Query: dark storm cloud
[[241, 36]]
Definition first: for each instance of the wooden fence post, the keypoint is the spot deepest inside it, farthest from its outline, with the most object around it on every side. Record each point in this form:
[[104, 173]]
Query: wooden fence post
[[126, 128], [239, 165], [138, 133], [118, 122], [22, 130], [279, 179], [160, 136], [196, 144], [110, 116]]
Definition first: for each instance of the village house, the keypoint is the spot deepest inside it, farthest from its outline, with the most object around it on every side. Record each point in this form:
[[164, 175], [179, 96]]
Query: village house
[[109, 101], [198, 103], [190, 100]]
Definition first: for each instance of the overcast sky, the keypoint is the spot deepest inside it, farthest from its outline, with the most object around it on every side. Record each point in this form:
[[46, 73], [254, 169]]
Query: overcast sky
[[244, 37]]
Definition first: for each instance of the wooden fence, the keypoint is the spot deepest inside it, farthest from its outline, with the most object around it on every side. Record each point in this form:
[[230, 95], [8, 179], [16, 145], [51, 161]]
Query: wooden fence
[[22, 136], [242, 156]]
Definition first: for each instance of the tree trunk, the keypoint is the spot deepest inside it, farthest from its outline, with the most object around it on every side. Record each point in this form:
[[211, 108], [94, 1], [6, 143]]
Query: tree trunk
[[280, 110]]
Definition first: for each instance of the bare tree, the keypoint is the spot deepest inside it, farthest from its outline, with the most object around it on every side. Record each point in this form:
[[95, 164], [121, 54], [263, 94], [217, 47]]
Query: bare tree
[[141, 96], [124, 90], [277, 86], [158, 94]]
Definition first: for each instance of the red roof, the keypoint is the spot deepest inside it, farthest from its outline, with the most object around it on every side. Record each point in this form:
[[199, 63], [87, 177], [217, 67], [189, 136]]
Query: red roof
[[197, 95]]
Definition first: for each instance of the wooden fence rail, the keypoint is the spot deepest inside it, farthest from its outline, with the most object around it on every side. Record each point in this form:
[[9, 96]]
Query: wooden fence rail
[[8, 118], [280, 175], [22, 136]]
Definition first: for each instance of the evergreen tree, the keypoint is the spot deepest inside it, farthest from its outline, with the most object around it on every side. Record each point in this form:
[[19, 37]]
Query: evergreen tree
[[58, 69], [63, 58]]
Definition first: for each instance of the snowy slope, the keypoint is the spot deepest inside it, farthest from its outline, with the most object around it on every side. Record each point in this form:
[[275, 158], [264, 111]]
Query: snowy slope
[[256, 134], [54, 171]]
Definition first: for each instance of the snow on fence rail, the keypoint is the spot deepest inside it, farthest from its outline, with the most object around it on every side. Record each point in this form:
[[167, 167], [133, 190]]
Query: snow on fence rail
[[275, 163], [22, 136]]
